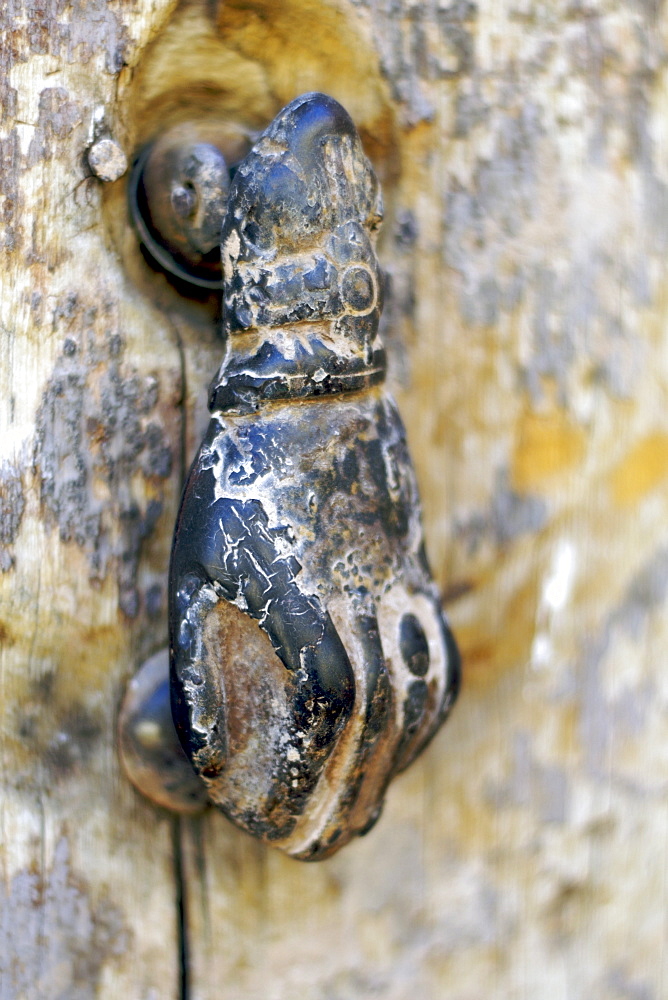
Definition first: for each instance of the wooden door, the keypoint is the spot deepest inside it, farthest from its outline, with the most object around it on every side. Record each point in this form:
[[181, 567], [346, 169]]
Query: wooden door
[[523, 155]]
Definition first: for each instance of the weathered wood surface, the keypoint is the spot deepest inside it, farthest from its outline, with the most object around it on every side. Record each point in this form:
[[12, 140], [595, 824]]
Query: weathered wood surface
[[523, 153]]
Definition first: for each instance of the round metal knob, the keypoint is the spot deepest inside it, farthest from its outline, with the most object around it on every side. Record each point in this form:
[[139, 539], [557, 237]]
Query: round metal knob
[[178, 194], [151, 752]]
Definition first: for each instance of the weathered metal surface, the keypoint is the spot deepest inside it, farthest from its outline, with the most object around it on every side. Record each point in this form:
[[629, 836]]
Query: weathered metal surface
[[150, 750], [310, 657], [177, 196]]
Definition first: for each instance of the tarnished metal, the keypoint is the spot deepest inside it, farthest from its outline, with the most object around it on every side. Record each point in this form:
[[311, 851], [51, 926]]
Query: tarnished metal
[[151, 753], [177, 195], [310, 657]]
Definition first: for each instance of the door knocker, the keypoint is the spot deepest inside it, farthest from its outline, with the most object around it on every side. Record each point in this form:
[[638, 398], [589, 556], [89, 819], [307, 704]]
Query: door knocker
[[310, 658]]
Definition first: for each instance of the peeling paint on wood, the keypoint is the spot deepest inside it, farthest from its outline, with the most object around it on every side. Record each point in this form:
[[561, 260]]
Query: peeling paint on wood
[[96, 432], [89, 427], [12, 505], [55, 939]]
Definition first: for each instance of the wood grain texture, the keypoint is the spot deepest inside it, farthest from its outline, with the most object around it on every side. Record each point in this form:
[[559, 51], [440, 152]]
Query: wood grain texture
[[90, 431], [523, 153]]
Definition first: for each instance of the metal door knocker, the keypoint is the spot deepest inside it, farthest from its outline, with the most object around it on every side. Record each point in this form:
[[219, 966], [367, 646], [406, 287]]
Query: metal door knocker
[[310, 658]]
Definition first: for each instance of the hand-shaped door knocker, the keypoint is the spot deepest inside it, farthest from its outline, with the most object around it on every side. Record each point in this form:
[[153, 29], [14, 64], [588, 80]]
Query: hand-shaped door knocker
[[310, 658]]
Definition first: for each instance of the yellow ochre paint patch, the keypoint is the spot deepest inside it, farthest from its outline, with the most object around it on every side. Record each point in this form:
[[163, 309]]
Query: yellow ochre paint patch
[[641, 470], [546, 444]]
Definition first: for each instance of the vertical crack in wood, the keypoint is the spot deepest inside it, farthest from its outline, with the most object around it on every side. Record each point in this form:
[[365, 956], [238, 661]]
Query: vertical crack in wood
[[180, 897], [181, 911], [183, 431]]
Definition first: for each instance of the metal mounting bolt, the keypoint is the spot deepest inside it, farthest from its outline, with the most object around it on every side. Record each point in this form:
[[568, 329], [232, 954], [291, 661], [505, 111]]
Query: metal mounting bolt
[[178, 193], [107, 160]]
